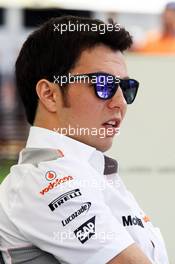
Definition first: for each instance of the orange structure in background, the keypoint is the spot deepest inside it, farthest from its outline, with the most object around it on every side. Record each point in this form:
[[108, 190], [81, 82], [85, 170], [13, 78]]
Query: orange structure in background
[[162, 42]]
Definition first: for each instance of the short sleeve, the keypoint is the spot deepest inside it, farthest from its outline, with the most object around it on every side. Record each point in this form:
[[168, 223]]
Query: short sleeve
[[59, 207]]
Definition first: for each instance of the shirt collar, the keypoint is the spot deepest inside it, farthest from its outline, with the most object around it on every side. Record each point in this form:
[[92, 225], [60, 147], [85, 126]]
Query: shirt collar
[[45, 138]]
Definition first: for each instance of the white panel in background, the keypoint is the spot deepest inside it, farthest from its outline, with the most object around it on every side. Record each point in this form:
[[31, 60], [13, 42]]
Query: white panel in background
[[145, 147]]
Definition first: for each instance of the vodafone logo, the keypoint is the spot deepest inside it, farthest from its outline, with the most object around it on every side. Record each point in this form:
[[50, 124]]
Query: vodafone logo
[[50, 175], [55, 183]]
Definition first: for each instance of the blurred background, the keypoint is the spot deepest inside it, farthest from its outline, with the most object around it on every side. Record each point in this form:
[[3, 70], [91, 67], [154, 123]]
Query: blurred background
[[145, 147]]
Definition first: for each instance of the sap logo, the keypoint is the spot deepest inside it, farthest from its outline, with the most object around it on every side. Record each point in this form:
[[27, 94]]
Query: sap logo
[[86, 230], [132, 221], [64, 198], [84, 208]]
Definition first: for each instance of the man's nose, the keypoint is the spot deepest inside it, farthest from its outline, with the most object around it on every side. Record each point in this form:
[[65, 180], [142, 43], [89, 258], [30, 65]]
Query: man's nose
[[118, 100]]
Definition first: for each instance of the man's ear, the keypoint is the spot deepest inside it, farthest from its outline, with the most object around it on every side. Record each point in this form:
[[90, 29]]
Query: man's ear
[[47, 93]]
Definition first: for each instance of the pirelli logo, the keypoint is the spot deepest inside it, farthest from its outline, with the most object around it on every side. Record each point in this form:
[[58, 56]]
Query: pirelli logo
[[64, 198]]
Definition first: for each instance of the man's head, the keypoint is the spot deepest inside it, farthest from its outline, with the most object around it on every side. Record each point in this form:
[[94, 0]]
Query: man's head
[[48, 53]]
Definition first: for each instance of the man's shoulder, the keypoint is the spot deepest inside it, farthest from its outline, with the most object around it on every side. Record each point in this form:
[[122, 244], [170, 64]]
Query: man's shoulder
[[47, 158], [34, 163], [41, 161], [36, 155], [40, 170]]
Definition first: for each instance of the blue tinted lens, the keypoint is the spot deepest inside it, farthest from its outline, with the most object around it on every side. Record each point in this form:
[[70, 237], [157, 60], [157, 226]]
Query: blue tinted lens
[[105, 87], [129, 89]]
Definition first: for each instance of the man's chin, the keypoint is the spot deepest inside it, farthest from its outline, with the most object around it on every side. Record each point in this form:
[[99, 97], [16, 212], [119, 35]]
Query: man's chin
[[104, 144], [101, 144]]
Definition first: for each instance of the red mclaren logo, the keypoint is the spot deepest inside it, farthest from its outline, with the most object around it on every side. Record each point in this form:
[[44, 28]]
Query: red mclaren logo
[[50, 175]]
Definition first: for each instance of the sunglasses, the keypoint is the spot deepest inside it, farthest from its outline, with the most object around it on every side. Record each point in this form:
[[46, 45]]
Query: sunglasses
[[106, 85]]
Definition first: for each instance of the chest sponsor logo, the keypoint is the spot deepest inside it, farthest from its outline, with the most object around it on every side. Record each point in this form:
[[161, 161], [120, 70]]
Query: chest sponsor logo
[[55, 183], [84, 208], [64, 198], [129, 221], [86, 230], [50, 176]]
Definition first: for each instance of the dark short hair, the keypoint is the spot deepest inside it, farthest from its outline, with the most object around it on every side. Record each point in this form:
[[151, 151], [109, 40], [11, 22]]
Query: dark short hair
[[46, 53]]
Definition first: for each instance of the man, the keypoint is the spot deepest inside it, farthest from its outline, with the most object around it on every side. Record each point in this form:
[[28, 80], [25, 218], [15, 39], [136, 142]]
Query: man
[[64, 201]]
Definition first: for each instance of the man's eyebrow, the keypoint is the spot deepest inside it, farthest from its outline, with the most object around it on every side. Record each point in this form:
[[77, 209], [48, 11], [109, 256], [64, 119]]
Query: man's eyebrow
[[102, 71], [125, 78]]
